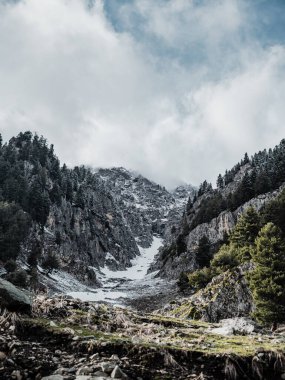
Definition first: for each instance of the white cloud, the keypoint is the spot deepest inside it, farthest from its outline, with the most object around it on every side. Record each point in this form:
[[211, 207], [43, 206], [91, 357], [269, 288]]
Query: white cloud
[[107, 98]]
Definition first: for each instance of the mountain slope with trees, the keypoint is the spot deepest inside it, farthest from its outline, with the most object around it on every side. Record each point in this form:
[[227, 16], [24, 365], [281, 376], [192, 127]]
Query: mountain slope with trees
[[54, 216], [77, 220], [212, 213]]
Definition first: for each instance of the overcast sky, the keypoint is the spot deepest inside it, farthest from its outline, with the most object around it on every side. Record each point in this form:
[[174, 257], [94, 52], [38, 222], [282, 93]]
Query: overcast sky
[[178, 90]]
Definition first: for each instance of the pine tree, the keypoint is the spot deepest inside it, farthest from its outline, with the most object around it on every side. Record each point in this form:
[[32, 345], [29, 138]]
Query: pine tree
[[274, 212], [203, 252], [51, 262], [220, 182], [39, 204], [267, 280], [246, 228]]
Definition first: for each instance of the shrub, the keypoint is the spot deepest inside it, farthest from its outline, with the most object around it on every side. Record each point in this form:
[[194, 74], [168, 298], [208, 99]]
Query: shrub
[[10, 266], [225, 258], [18, 278], [200, 278], [50, 263]]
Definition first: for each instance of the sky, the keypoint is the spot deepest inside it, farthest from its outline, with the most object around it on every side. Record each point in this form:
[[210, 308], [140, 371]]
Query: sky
[[177, 90]]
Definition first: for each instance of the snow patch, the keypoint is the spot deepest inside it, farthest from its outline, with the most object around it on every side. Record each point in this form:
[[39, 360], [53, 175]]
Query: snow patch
[[129, 283]]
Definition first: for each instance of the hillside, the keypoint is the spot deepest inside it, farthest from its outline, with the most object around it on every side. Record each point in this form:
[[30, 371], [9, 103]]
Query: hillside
[[92, 236], [213, 213], [74, 220]]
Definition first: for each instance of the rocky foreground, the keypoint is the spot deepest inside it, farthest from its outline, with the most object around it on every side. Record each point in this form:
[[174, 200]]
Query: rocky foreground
[[68, 339]]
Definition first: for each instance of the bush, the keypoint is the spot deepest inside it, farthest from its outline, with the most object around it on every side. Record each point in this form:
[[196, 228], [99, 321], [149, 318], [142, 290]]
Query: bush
[[10, 266], [50, 263], [18, 278], [183, 282], [225, 258], [200, 278]]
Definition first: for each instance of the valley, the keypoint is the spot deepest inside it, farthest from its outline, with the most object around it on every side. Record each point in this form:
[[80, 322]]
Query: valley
[[110, 275]]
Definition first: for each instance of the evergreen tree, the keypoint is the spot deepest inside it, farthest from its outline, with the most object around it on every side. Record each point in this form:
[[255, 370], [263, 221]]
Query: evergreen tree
[[35, 253], [51, 262], [220, 182], [267, 280], [183, 282], [203, 255], [80, 200], [14, 228], [39, 203], [245, 159], [274, 212], [246, 228]]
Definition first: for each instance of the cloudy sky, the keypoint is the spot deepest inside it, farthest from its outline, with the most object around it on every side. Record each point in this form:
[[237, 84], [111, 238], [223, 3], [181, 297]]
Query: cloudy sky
[[178, 90]]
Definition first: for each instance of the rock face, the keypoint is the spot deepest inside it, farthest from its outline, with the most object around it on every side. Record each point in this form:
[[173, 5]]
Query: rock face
[[119, 211], [146, 206], [14, 299], [83, 237], [226, 296], [95, 231], [215, 230]]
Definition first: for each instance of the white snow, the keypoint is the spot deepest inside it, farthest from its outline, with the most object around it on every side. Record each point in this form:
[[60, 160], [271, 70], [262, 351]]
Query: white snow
[[140, 264], [133, 281], [64, 281]]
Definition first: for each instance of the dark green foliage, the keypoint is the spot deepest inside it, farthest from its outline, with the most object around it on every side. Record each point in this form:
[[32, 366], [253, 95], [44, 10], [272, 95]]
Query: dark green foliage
[[35, 253], [181, 246], [182, 282], [274, 212], [51, 262], [210, 208], [33, 278], [14, 228], [246, 228], [225, 259], [57, 238], [220, 182], [267, 280], [265, 172], [39, 203], [200, 278], [79, 199], [245, 159], [18, 278], [205, 187], [203, 255], [10, 266]]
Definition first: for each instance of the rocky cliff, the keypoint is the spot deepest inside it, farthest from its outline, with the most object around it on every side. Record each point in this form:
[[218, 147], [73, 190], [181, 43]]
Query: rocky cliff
[[87, 238], [226, 296], [171, 262], [147, 207], [85, 219]]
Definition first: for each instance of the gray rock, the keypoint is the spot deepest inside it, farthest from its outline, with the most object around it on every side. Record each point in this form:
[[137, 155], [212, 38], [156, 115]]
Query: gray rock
[[14, 299], [242, 326], [53, 377], [108, 367], [226, 296], [84, 371], [118, 373]]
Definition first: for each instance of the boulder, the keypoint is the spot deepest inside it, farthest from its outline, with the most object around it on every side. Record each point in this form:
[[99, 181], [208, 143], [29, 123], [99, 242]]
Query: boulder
[[235, 326], [14, 299]]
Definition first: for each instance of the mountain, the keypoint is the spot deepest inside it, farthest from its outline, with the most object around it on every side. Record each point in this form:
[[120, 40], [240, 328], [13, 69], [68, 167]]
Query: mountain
[[228, 248], [213, 213], [146, 206], [78, 220], [61, 228]]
